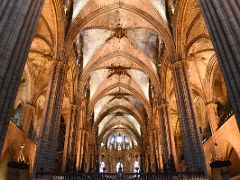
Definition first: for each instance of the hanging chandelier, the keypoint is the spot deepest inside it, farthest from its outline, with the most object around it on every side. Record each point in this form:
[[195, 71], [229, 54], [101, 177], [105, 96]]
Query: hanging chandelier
[[19, 162]]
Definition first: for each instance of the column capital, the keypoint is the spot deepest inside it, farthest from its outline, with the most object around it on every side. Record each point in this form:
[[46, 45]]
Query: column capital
[[29, 105], [74, 106], [180, 61], [211, 104], [163, 105], [60, 64], [81, 130]]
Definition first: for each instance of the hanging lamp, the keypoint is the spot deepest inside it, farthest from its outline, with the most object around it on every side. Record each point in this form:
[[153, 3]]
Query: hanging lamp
[[19, 162]]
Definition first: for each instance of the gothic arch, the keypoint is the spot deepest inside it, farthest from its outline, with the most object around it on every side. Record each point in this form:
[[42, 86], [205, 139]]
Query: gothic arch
[[111, 126], [126, 82], [124, 121], [137, 94], [185, 25], [161, 27], [131, 112], [145, 68], [127, 131], [195, 40]]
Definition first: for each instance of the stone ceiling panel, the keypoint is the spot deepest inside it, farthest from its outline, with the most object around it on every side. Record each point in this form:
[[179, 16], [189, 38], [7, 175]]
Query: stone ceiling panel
[[126, 19], [86, 7], [92, 41]]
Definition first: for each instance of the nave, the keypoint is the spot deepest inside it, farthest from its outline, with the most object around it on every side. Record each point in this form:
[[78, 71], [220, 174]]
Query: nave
[[119, 89]]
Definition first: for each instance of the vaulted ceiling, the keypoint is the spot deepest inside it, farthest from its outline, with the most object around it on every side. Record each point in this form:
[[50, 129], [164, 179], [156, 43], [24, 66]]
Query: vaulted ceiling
[[118, 44]]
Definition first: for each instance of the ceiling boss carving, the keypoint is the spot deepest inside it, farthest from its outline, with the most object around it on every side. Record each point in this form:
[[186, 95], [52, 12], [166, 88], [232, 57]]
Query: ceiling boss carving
[[119, 32], [119, 70], [120, 94]]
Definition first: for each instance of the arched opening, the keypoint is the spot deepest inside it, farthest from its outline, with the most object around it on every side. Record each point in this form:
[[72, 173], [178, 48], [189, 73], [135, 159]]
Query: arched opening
[[102, 167], [119, 167], [136, 166]]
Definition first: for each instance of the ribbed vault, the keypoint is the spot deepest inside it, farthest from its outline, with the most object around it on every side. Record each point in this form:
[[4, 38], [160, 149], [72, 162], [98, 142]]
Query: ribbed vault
[[118, 47]]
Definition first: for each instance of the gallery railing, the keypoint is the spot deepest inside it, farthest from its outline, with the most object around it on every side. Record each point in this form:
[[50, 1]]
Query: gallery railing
[[123, 176]]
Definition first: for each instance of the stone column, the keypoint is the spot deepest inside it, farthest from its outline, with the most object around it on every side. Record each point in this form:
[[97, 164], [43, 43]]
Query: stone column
[[222, 18], [156, 147], [76, 134], [70, 153], [164, 135], [212, 115], [160, 149], [144, 155], [170, 132], [17, 24], [45, 157], [151, 149], [67, 116], [193, 151], [96, 151], [78, 147], [147, 156], [72, 116], [90, 158], [155, 151], [82, 137], [81, 148], [87, 151], [171, 156]]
